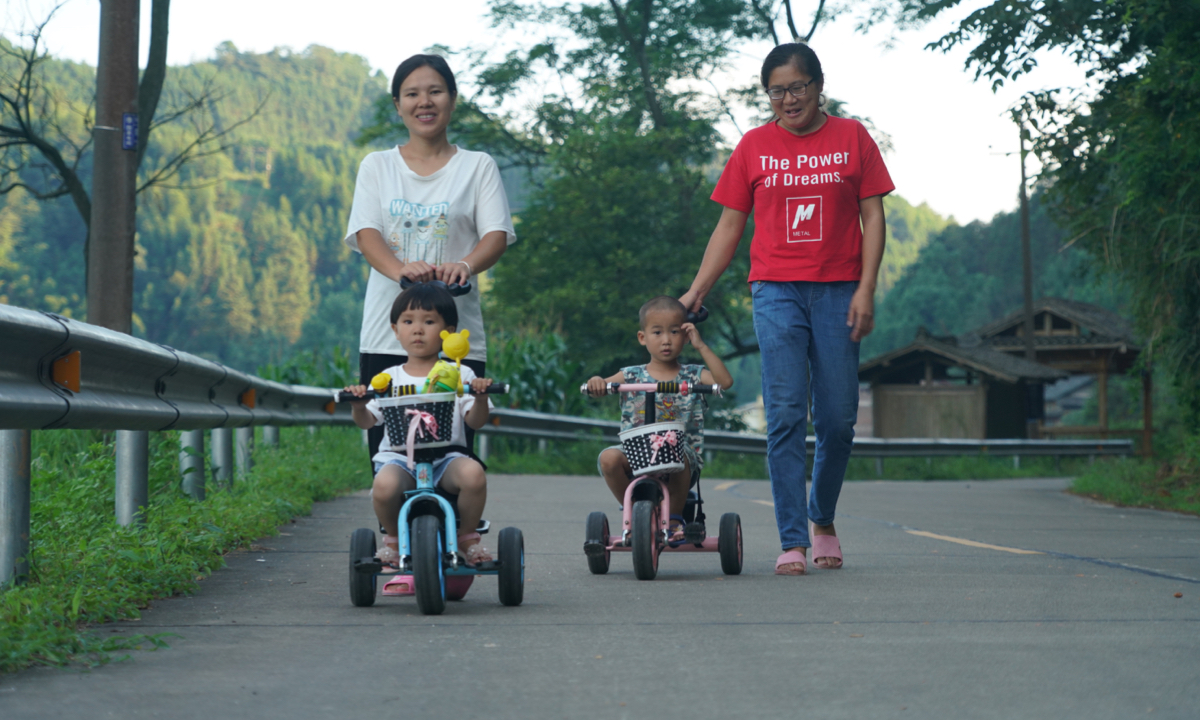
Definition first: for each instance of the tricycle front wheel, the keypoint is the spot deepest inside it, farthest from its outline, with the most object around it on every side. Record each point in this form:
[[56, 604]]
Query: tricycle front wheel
[[428, 576]]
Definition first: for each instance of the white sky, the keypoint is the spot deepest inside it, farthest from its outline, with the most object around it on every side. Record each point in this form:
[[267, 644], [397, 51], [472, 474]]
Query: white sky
[[947, 131]]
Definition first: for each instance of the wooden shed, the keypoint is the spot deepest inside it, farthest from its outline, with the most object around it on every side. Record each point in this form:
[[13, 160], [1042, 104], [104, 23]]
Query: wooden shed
[[946, 387], [1080, 339]]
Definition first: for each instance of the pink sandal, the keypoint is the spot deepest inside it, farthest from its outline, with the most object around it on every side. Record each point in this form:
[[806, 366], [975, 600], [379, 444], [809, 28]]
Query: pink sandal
[[475, 555], [791, 557], [829, 549], [399, 585]]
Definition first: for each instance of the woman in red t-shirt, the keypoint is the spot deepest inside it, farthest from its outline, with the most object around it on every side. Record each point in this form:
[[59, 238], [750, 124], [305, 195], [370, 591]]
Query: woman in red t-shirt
[[815, 184]]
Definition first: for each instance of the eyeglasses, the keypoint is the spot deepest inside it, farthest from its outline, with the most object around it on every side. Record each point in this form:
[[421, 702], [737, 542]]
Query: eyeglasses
[[797, 91]]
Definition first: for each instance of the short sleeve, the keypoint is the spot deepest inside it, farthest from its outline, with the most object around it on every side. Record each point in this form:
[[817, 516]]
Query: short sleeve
[[365, 211], [733, 188], [491, 202], [373, 408], [875, 177]]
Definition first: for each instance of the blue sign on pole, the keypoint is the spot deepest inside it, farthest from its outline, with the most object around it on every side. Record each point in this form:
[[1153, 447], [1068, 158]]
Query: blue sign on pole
[[129, 131]]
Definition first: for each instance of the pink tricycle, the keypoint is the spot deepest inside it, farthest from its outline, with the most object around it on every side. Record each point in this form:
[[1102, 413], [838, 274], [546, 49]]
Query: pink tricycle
[[655, 451]]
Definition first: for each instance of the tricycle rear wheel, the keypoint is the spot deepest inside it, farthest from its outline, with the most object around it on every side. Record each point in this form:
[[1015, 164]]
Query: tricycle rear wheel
[[729, 544], [512, 566], [362, 585], [598, 558], [428, 577]]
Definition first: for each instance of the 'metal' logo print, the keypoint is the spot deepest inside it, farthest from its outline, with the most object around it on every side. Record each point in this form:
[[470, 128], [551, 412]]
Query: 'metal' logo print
[[804, 219]]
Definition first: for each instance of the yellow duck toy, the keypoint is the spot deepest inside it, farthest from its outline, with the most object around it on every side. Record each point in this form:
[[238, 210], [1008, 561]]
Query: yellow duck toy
[[445, 377]]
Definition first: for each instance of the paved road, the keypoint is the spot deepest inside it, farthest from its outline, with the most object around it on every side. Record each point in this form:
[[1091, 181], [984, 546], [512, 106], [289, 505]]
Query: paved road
[[915, 625]]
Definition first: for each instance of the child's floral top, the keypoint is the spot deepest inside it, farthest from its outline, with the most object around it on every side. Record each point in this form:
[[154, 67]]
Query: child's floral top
[[687, 409]]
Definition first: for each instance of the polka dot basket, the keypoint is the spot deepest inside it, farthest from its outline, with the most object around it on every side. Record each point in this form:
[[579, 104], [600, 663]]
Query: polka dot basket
[[437, 418], [655, 449]]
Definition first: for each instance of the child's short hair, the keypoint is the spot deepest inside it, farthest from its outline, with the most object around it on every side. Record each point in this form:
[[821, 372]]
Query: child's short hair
[[427, 296], [662, 302]]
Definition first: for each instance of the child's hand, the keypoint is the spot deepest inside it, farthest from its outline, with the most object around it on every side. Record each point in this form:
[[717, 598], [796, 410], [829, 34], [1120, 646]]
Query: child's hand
[[693, 335], [480, 385], [597, 387], [359, 391]]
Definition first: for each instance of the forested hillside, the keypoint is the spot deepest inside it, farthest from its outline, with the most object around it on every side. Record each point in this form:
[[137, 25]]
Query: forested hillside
[[967, 276], [240, 259]]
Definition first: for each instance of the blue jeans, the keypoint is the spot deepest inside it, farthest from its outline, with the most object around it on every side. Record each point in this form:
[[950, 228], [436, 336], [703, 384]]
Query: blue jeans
[[802, 334]]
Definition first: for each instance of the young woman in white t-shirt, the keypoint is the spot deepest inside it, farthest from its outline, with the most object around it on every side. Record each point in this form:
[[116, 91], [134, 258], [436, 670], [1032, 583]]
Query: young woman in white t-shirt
[[425, 210]]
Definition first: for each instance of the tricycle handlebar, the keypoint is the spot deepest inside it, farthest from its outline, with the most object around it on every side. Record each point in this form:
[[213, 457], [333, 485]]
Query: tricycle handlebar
[[343, 396], [670, 388]]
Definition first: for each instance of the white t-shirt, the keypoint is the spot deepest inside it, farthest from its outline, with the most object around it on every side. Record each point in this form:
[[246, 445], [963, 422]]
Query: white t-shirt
[[438, 219], [458, 436]]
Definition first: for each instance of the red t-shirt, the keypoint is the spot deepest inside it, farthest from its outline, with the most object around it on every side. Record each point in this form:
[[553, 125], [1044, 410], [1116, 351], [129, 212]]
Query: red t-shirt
[[804, 191]]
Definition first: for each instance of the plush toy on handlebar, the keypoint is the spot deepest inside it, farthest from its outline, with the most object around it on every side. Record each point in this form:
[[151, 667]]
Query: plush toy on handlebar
[[446, 377]]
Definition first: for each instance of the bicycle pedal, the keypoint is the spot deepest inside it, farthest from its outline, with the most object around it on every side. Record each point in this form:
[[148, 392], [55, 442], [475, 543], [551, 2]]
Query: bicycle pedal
[[368, 566], [694, 532]]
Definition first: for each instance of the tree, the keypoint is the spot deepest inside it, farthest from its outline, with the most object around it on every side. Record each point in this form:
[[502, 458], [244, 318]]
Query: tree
[[46, 131], [1121, 157]]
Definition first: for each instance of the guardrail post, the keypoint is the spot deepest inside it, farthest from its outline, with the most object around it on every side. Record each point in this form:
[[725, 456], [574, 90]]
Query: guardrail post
[[191, 463], [484, 445], [879, 467], [14, 506], [542, 445], [222, 455], [271, 435], [133, 475], [312, 430], [245, 450], [1016, 462]]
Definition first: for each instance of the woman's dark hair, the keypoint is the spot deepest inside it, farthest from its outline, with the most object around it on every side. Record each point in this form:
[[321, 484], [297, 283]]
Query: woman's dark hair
[[427, 296], [799, 54], [437, 62]]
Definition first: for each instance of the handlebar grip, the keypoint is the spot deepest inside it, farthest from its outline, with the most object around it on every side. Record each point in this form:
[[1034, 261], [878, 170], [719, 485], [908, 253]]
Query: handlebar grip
[[699, 316], [454, 288], [343, 396], [494, 389]]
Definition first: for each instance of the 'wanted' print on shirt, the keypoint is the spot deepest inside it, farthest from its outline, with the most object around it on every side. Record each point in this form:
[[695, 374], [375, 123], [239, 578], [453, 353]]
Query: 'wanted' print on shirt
[[418, 232]]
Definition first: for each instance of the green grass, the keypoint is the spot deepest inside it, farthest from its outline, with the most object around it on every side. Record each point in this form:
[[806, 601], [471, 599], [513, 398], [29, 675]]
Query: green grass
[[509, 455], [85, 569], [1135, 482]]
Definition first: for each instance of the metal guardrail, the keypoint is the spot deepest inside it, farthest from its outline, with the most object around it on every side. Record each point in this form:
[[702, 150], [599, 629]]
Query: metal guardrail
[[60, 373], [523, 423], [118, 382]]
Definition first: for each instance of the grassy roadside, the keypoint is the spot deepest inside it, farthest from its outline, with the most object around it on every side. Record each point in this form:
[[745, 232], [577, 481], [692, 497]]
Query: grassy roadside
[[85, 569], [1171, 485]]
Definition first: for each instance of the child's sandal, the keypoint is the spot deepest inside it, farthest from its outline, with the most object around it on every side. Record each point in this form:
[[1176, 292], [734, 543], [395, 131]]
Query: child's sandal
[[675, 533], [476, 554], [389, 553]]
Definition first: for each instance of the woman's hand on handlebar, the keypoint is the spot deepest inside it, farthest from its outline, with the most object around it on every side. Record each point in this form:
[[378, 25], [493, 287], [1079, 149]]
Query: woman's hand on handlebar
[[453, 273], [359, 391], [418, 271], [692, 300]]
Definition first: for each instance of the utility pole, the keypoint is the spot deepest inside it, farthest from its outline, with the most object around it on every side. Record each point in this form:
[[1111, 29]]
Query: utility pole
[[1026, 254], [1034, 391], [114, 179]]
